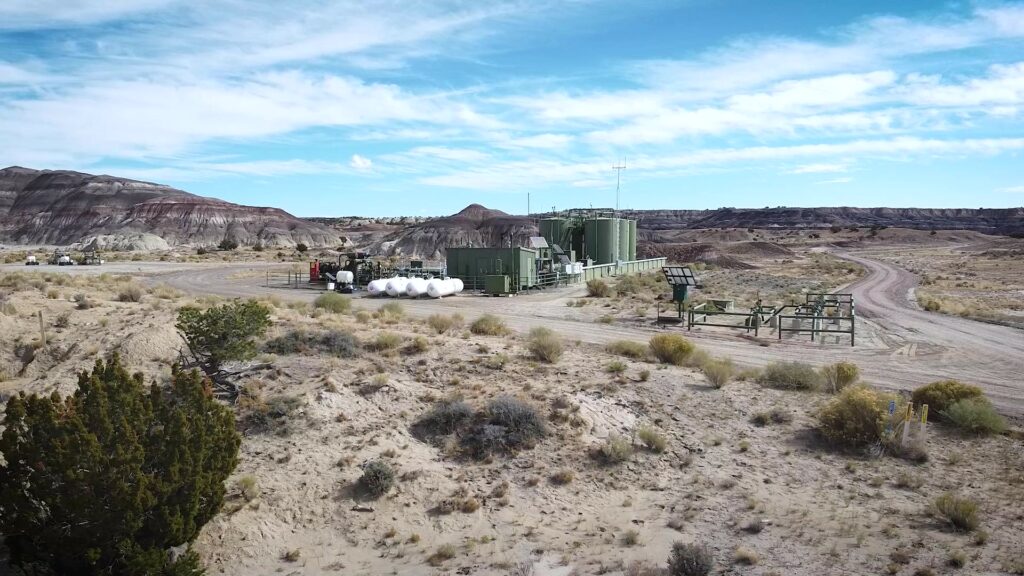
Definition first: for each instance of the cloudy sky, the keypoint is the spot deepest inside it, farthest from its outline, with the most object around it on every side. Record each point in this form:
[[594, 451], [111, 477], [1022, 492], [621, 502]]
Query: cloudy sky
[[390, 108]]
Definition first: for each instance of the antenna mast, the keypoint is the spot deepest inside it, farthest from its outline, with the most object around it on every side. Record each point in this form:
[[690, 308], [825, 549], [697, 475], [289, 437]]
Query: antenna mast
[[618, 179]]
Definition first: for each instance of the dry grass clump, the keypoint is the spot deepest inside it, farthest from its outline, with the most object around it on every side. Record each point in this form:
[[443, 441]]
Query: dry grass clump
[[671, 348], [563, 477], [83, 302], [652, 439], [247, 487], [378, 477], [417, 345], [961, 513], [856, 417], [974, 416], [942, 394], [791, 376], [130, 294], [775, 416], [840, 375], [630, 537], [446, 417], [598, 288], [506, 425], [443, 553], [384, 342], [627, 348], [390, 312], [690, 560], [544, 345], [333, 302], [718, 372], [334, 342], [615, 450], [745, 557], [489, 325], [442, 323]]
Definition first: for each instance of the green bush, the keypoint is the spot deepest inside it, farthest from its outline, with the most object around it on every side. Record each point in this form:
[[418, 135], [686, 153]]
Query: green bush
[[334, 342], [102, 483], [384, 341], [940, 395], [840, 375], [223, 333], [791, 376], [975, 416], [627, 348], [671, 348], [856, 417], [598, 288], [690, 560], [378, 477], [961, 513], [718, 372], [333, 302], [488, 325], [544, 345]]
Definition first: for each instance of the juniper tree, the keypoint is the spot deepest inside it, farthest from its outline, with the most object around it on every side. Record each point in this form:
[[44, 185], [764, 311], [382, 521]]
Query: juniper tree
[[223, 333], [106, 480]]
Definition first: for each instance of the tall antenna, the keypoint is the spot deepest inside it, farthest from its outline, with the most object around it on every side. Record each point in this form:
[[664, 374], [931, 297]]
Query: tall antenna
[[618, 180]]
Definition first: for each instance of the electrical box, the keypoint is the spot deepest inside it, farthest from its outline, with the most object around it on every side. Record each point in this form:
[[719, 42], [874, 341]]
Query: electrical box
[[496, 284]]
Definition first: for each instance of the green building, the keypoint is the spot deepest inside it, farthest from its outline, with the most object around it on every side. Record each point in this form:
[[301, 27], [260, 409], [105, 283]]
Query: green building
[[474, 265]]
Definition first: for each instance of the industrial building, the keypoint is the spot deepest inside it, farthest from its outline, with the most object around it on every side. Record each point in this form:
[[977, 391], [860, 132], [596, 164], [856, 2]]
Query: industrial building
[[575, 247]]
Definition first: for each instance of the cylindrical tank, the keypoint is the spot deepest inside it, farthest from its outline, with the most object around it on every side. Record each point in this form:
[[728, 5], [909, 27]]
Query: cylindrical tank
[[623, 239], [556, 231], [344, 277], [457, 284], [632, 239], [377, 287], [416, 287], [438, 288], [396, 286], [602, 239]]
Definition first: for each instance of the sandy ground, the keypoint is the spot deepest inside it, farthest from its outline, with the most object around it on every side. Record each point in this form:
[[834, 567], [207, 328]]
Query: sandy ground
[[822, 512]]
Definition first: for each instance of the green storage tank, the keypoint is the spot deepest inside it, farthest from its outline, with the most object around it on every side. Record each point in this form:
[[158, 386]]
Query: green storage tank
[[602, 239], [632, 239], [624, 239], [557, 231]]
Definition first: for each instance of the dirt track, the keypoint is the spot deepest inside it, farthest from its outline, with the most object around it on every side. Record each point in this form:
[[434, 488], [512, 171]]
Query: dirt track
[[898, 345]]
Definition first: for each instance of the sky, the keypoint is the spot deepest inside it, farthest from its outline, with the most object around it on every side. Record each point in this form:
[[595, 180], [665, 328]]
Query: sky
[[388, 108]]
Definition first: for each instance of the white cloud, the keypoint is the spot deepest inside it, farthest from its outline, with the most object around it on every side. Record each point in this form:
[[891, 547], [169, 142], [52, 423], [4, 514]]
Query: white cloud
[[1012, 189], [1004, 85], [360, 163], [841, 180], [818, 169]]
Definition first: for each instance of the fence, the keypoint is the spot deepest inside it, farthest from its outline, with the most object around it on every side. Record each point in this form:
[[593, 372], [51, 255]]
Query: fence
[[619, 268], [704, 315], [817, 314]]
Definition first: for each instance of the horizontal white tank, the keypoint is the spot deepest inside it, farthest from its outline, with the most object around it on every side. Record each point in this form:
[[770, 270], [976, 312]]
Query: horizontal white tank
[[344, 277], [438, 288], [377, 287], [458, 284], [416, 287], [396, 286]]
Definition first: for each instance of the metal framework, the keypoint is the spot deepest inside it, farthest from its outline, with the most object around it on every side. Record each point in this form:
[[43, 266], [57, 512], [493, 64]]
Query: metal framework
[[820, 314]]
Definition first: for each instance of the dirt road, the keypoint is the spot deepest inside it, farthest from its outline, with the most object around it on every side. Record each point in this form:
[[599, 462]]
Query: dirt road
[[898, 345]]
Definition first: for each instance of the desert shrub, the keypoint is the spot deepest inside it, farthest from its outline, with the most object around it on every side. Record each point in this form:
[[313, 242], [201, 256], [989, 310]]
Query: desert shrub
[[615, 367], [856, 417], [130, 294], [791, 376], [615, 450], [301, 248], [417, 345], [930, 305], [121, 442], [961, 513], [378, 477], [384, 341], [598, 288], [273, 414], [507, 424], [544, 345], [488, 325], [83, 302], [391, 311], [975, 416], [223, 333], [563, 477], [718, 372], [644, 375], [227, 244], [333, 302], [442, 323], [247, 487], [627, 348], [63, 320], [671, 348], [690, 560], [745, 556], [334, 342], [652, 439], [840, 375], [446, 417], [940, 395]]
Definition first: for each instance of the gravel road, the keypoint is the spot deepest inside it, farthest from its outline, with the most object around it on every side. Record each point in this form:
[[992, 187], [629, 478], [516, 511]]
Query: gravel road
[[899, 346]]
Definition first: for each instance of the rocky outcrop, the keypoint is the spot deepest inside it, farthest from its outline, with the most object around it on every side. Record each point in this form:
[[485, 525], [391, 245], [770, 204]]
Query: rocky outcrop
[[475, 225], [63, 207]]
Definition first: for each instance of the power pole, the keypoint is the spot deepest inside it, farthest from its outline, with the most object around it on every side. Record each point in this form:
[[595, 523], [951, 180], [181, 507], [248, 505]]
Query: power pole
[[618, 180]]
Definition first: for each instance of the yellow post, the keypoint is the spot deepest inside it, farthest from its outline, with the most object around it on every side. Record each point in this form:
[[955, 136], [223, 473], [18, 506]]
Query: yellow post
[[924, 414]]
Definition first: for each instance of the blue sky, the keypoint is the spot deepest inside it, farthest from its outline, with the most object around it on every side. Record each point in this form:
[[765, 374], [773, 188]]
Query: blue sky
[[419, 108]]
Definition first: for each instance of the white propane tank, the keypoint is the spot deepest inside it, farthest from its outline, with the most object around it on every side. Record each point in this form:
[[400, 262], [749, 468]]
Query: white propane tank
[[437, 288], [30, 260], [396, 286], [344, 277], [377, 287], [416, 287], [457, 284]]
